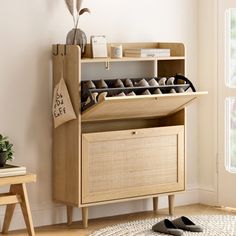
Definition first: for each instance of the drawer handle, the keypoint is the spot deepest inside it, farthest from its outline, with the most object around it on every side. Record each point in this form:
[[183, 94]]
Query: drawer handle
[[134, 132]]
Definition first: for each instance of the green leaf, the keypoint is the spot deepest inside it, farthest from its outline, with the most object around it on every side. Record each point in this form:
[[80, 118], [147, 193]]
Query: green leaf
[[6, 146]]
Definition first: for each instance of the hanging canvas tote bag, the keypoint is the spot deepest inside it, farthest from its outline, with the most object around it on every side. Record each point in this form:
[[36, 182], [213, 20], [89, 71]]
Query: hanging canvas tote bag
[[62, 107]]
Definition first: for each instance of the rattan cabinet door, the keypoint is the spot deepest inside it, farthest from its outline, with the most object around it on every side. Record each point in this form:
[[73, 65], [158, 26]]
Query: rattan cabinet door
[[132, 163]]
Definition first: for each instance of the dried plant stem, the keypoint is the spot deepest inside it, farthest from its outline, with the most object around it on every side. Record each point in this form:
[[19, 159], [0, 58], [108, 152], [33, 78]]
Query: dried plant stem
[[74, 21], [76, 27], [74, 36], [71, 7], [77, 22]]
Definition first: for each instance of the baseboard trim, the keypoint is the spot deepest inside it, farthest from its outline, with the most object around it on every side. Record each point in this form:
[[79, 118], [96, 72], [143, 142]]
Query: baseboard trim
[[208, 196], [55, 213]]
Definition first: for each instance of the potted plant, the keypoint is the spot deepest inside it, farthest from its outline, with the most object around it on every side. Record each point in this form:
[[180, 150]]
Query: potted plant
[[76, 35], [6, 150]]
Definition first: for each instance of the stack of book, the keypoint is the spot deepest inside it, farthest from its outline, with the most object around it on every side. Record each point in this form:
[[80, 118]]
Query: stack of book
[[11, 170], [147, 52]]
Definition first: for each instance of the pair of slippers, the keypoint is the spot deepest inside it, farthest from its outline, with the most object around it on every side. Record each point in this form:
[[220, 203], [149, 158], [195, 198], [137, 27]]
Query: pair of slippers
[[176, 227]]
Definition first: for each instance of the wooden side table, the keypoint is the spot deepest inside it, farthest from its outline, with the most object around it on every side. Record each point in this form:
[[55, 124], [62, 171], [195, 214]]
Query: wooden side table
[[17, 194]]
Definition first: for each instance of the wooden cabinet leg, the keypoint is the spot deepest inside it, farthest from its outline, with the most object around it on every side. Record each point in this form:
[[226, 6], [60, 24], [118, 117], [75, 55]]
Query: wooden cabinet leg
[[171, 199], [69, 215], [85, 217], [7, 219], [155, 204], [21, 190]]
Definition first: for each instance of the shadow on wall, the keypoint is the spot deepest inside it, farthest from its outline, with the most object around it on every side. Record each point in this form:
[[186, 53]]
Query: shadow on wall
[[39, 129]]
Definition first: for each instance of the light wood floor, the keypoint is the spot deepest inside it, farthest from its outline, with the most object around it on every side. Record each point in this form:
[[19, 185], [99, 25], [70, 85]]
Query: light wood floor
[[76, 228]]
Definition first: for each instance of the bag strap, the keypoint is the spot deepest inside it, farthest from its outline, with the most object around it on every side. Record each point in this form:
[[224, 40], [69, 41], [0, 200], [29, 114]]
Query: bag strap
[[62, 74]]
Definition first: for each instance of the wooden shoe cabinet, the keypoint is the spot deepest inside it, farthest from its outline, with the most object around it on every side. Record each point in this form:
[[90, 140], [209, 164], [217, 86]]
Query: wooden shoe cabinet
[[123, 148]]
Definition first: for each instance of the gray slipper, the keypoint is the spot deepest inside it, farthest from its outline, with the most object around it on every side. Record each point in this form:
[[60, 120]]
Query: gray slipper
[[90, 84], [128, 83], [102, 96], [122, 94], [181, 90], [146, 92], [119, 84], [101, 84], [162, 81], [131, 94], [167, 227], [157, 91], [153, 82], [142, 83], [94, 96], [170, 81], [186, 224]]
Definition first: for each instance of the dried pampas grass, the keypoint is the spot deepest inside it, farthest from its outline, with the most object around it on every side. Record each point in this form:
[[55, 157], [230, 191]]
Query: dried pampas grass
[[78, 5], [70, 6], [74, 7], [82, 11]]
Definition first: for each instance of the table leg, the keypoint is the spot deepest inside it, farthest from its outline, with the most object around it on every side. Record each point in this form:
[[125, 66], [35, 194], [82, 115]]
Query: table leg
[[25, 207], [8, 216]]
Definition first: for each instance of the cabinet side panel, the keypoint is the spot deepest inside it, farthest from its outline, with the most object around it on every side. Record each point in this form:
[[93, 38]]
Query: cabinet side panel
[[66, 138]]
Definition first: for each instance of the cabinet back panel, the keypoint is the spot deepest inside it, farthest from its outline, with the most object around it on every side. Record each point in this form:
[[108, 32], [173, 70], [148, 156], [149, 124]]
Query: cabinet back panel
[[114, 125], [177, 49], [177, 118], [117, 70], [171, 67]]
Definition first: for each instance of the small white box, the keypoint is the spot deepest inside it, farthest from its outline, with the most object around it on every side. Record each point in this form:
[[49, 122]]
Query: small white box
[[99, 46]]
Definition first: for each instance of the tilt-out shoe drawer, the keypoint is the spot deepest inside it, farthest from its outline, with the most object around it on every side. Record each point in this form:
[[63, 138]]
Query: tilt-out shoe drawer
[[132, 163]]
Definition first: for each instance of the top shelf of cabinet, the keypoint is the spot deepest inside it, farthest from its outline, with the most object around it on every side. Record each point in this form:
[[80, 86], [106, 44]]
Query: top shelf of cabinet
[[177, 52], [127, 59]]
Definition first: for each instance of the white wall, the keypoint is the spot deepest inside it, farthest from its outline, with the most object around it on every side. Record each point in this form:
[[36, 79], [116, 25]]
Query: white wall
[[27, 31], [207, 116]]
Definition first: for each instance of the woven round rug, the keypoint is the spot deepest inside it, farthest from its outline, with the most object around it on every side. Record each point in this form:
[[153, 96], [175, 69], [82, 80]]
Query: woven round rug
[[213, 225]]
